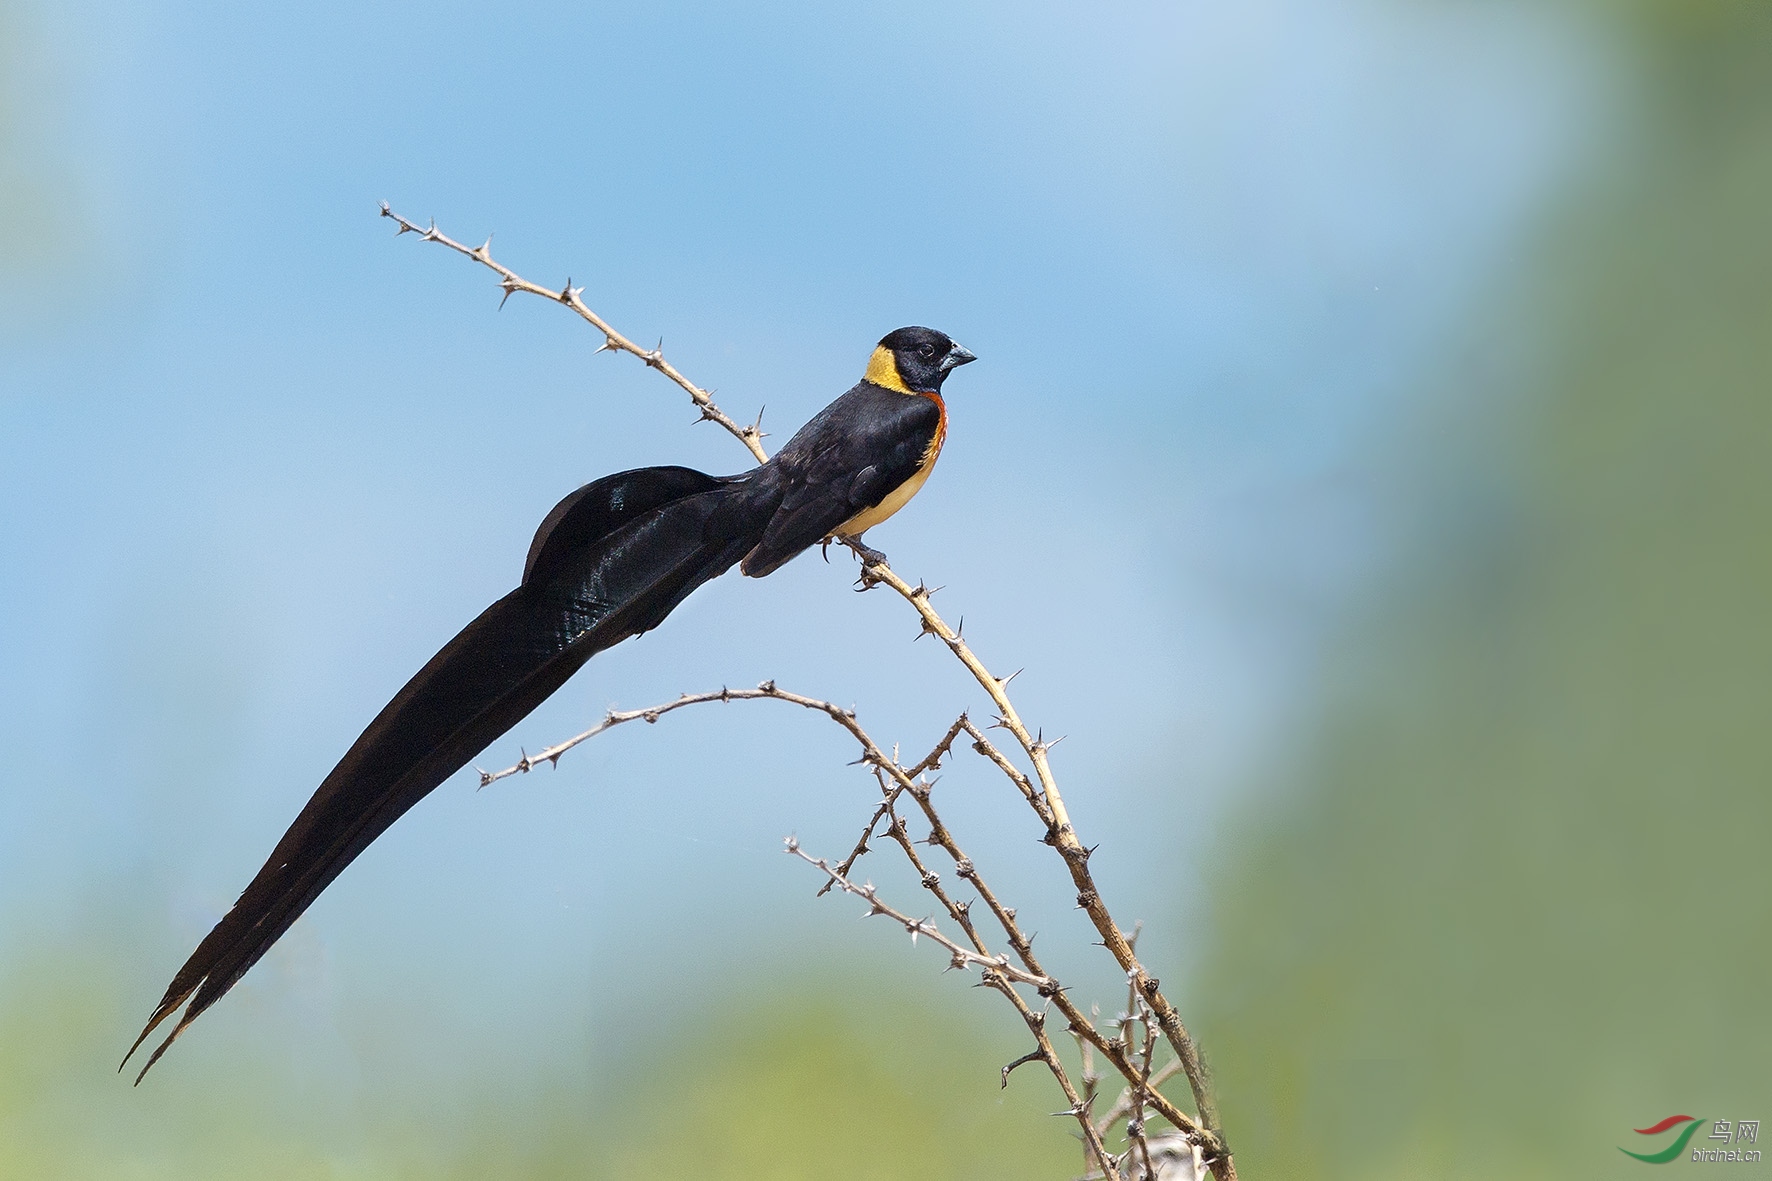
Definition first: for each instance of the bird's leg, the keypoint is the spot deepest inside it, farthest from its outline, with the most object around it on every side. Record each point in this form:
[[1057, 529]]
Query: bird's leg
[[869, 557]]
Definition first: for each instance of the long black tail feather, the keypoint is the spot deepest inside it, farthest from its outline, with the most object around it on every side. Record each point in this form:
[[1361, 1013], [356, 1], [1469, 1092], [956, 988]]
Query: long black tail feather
[[611, 561]]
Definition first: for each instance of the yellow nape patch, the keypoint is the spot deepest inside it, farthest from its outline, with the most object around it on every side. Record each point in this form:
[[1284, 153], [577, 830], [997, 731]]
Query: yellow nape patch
[[883, 371]]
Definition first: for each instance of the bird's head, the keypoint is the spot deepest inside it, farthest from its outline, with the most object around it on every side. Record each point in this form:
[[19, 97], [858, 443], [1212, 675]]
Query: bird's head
[[915, 360]]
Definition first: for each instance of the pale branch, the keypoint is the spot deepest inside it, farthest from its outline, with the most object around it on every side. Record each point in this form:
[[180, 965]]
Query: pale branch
[[1123, 1105], [1141, 1092], [1080, 1105], [929, 762], [998, 973], [1049, 804], [613, 341], [903, 781], [1046, 801], [614, 718], [1023, 945], [961, 958]]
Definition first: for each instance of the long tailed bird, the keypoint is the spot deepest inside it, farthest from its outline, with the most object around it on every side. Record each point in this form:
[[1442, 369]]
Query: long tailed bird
[[610, 561]]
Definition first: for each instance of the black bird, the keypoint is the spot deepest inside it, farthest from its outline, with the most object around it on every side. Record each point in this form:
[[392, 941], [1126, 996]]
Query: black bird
[[611, 561]]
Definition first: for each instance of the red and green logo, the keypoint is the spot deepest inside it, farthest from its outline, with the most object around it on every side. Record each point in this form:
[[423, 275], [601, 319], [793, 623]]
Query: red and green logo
[[1672, 1150]]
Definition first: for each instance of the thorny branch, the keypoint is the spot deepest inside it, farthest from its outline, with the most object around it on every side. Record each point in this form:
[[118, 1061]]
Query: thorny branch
[[997, 974], [896, 781], [613, 341], [1041, 792]]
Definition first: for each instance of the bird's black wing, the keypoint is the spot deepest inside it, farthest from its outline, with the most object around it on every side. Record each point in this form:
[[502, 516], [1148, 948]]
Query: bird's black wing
[[611, 561], [848, 458]]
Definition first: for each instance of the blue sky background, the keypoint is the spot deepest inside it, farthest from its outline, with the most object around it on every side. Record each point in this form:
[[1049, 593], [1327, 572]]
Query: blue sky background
[[259, 459]]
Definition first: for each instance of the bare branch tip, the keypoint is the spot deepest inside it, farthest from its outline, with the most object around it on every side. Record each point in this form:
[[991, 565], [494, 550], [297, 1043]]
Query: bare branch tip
[[1032, 1056]]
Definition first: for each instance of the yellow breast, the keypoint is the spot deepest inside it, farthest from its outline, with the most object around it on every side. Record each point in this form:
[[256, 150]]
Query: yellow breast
[[900, 496]]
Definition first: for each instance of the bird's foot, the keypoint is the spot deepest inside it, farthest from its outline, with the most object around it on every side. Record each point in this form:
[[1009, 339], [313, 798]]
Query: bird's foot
[[872, 560], [868, 556]]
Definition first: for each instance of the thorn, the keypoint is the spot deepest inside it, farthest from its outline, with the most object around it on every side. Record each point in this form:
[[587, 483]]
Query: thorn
[[510, 286], [1003, 682], [656, 358], [568, 292], [485, 778], [1034, 1056], [484, 253], [792, 844], [431, 234]]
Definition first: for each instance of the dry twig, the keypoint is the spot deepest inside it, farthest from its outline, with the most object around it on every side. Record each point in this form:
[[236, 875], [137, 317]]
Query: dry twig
[[895, 780]]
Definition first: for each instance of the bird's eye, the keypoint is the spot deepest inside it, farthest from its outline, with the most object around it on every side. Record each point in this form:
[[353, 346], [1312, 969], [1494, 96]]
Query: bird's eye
[[926, 351]]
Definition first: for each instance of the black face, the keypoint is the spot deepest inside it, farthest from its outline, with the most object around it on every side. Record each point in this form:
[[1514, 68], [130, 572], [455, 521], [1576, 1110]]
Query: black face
[[924, 356]]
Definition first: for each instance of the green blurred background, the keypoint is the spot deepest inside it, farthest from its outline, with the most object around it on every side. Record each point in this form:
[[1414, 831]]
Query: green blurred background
[[1443, 783], [1513, 895]]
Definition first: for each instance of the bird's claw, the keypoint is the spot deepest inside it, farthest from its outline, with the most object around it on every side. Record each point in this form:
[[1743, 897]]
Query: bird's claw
[[868, 555]]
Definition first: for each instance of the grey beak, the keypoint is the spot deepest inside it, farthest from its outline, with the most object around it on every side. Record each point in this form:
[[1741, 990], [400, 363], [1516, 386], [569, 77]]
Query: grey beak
[[957, 356]]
